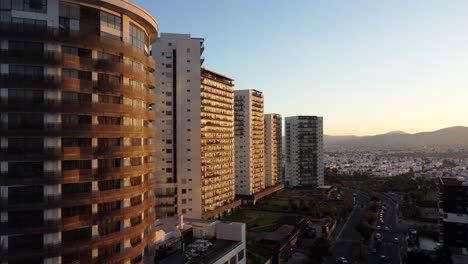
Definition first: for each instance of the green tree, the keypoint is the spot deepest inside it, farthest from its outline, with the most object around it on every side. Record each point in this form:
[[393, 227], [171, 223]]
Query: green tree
[[443, 255], [374, 196], [370, 217], [302, 205], [419, 257], [320, 249], [365, 229]]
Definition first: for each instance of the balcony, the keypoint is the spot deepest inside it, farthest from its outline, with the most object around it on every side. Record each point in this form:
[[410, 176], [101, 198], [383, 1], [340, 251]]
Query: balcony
[[26, 57], [41, 33], [33, 201], [30, 82], [85, 108], [76, 176], [79, 130]]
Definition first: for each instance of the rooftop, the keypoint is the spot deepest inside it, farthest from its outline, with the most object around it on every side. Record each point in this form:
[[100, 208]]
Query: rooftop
[[201, 254], [453, 181], [216, 75]]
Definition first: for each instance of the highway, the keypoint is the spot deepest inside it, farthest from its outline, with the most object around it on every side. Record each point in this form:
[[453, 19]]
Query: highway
[[347, 242], [388, 248]]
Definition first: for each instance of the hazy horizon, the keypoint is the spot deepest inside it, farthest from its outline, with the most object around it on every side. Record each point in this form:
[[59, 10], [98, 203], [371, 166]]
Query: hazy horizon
[[367, 67], [402, 131]]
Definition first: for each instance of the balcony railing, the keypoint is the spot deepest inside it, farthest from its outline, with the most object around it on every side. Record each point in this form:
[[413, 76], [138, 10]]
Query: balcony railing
[[72, 37]]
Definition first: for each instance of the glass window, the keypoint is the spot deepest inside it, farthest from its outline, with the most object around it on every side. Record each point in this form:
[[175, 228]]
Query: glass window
[[240, 255], [76, 142], [24, 120], [29, 95], [138, 38], [138, 66], [37, 6], [21, 48], [69, 10], [5, 4], [86, 53], [109, 99], [107, 78], [72, 97], [69, 16], [5, 16], [76, 210], [24, 145], [76, 119], [136, 84], [110, 20], [27, 70], [76, 164], [108, 56], [71, 73], [111, 36], [69, 24], [28, 21], [76, 187]]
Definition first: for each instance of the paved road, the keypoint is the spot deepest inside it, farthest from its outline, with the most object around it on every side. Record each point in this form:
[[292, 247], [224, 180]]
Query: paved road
[[347, 243], [388, 248]]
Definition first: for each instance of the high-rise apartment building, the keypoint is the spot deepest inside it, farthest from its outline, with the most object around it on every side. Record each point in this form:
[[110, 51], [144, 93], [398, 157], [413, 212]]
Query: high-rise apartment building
[[273, 146], [195, 120], [76, 131], [304, 151], [250, 142], [453, 222]]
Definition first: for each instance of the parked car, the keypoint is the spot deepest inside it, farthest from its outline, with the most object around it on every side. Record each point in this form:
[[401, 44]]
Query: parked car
[[383, 258], [342, 260]]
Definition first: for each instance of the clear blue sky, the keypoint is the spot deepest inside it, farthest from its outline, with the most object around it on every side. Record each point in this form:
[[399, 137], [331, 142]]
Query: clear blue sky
[[367, 67]]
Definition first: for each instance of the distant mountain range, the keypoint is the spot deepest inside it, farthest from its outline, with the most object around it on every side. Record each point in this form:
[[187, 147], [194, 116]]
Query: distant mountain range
[[457, 135]]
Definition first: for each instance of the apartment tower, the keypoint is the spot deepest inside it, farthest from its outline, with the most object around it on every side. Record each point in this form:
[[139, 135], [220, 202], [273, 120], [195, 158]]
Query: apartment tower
[[250, 142], [76, 131], [273, 146], [195, 120], [453, 221], [304, 151]]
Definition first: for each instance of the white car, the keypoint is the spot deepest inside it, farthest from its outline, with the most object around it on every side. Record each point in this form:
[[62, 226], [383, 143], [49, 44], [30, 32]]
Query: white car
[[378, 235], [396, 240], [342, 260]]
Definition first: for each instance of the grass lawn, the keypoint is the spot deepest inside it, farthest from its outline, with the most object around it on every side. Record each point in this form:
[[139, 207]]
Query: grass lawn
[[264, 247], [254, 218], [239, 216], [265, 228]]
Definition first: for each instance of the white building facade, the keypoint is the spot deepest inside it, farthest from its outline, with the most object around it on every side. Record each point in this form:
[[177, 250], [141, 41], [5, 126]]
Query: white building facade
[[250, 142], [273, 146], [195, 130], [304, 151]]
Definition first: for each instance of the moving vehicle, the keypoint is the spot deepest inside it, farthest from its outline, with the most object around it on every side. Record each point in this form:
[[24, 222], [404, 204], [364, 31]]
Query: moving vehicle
[[342, 260]]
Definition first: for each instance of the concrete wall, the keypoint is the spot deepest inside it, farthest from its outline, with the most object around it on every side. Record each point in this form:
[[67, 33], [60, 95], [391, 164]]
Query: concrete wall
[[230, 231], [185, 107]]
